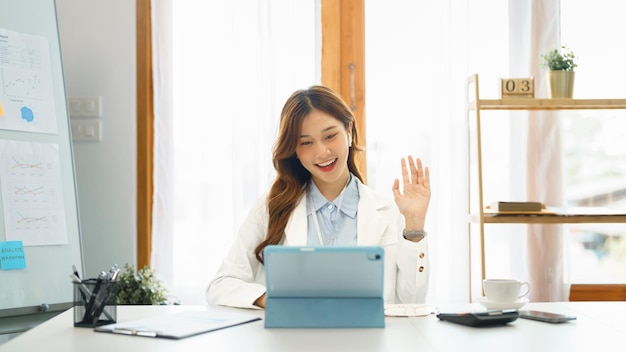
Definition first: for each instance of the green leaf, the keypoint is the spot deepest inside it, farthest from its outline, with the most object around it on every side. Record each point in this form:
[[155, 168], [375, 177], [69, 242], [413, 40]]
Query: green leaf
[[141, 287], [560, 59]]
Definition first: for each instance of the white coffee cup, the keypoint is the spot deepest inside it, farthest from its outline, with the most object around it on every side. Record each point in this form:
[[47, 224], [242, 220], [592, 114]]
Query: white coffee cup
[[505, 290]]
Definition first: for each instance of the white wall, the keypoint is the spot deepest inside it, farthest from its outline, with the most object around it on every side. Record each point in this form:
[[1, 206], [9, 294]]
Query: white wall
[[98, 49]]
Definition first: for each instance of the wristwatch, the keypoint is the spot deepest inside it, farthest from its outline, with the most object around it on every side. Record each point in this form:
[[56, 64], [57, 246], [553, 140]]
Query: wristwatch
[[413, 234]]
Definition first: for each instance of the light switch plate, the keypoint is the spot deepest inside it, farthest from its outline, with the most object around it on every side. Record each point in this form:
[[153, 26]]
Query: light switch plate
[[86, 130], [85, 106]]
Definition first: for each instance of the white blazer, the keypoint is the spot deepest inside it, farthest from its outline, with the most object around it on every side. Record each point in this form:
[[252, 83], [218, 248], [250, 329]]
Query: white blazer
[[240, 280]]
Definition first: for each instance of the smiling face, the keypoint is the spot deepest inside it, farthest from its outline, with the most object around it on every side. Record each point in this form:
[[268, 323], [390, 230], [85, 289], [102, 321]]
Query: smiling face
[[322, 149]]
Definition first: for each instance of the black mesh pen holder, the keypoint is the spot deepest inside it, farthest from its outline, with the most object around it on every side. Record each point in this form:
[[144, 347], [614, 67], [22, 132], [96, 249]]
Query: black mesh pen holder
[[95, 303]]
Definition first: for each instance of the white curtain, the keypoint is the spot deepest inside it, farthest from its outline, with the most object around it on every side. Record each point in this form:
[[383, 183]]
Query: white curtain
[[234, 65], [419, 55], [417, 59], [162, 222], [536, 30]]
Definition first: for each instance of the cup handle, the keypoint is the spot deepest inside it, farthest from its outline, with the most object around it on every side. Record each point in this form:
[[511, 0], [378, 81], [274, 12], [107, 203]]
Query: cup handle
[[525, 291]]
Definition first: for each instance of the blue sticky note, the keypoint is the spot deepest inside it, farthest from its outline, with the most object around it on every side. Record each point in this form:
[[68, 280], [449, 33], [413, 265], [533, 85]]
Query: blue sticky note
[[12, 255]]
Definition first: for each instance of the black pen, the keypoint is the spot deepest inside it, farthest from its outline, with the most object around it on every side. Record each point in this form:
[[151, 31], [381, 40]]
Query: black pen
[[89, 309], [103, 297], [101, 301], [75, 271]]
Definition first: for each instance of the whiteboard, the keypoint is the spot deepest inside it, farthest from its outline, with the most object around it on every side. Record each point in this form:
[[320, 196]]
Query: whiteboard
[[38, 197]]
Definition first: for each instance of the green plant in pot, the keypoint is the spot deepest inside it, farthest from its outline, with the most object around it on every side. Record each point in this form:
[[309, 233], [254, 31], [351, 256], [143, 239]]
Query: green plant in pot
[[560, 63], [141, 287]]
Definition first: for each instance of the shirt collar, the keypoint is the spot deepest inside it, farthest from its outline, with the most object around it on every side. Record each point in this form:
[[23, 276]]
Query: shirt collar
[[350, 201]]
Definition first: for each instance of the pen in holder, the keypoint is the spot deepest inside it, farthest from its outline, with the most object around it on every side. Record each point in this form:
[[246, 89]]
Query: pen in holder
[[95, 302]]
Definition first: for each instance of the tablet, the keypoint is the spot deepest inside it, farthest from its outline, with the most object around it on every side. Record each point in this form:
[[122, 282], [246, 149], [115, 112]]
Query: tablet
[[324, 287], [355, 271]]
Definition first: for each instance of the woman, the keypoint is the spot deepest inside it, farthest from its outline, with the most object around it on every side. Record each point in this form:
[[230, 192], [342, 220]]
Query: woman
[[319, 199]]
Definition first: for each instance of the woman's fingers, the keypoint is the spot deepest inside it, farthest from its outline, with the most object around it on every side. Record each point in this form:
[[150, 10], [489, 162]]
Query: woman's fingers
[[414, 175], [417, 174]]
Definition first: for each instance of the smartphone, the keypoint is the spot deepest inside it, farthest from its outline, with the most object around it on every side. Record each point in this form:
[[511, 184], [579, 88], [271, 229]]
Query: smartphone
[[485, 318], [545, 316]]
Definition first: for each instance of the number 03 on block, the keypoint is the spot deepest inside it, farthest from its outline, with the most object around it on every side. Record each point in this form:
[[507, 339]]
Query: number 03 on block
[[517, 87]]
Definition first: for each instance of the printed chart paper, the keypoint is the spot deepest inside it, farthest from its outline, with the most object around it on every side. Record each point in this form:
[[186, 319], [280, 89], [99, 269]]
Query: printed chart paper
[[32, 193], [26, 95]]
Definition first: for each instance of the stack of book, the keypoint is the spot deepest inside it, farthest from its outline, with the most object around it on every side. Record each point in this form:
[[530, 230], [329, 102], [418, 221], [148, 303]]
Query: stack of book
[[516, 207]]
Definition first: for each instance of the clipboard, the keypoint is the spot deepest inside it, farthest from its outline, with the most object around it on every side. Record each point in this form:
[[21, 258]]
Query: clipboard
[[178, 325]]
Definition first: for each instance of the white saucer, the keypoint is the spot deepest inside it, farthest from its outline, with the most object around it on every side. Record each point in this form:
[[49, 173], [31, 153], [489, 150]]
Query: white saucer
[[495, 305]]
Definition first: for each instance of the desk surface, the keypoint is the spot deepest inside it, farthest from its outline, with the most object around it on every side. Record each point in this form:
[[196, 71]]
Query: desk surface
[[599, 326]]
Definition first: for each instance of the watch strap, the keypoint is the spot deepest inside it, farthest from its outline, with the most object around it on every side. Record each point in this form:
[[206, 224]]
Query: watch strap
[[413, 234]]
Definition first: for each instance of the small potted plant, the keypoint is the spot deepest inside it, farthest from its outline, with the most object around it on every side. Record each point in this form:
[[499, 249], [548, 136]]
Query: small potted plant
[[560, 63], [142, 287]]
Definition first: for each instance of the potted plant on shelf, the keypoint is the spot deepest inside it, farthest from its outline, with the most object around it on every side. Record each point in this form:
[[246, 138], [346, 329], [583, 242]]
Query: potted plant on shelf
[[560, 63]]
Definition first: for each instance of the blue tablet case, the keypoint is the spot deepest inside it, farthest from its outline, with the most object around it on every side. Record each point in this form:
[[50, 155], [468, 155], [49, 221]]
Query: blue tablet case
[[324, 287]]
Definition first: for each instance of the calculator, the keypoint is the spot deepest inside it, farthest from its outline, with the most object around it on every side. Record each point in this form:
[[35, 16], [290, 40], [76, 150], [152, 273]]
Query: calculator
[[482, 318]]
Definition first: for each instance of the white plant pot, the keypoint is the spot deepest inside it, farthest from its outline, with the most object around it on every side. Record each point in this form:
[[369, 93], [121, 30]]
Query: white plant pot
[[561, 84]]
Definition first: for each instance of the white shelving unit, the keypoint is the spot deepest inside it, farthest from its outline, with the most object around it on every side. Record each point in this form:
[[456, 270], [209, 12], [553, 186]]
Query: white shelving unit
[[478, 215]]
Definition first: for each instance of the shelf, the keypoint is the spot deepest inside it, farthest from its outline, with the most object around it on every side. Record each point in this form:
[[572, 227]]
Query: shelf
[[550, 215], [547, 104], [493, 218], [554, 215]]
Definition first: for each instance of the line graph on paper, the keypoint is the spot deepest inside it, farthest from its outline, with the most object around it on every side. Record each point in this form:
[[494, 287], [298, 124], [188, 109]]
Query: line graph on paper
[[32, 196], [21, 83], [34, 226], [29, 191], [26, 83], [21, 68], [36, 220], [29, 166]]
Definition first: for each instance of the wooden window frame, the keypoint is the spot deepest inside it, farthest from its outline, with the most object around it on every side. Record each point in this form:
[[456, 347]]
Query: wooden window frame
[[145, 132], [343, 59]]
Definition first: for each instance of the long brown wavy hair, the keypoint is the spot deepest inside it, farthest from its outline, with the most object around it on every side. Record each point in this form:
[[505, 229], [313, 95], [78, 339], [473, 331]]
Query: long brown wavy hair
[[292, 178]]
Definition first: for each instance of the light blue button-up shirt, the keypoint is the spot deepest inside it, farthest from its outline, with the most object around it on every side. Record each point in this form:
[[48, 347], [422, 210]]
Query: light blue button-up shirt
[[336, 229]]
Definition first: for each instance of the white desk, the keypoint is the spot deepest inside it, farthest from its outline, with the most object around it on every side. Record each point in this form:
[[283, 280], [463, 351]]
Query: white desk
[[601, 326]]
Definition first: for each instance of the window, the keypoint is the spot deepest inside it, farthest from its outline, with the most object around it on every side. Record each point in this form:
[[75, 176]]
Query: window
[[593, 141]]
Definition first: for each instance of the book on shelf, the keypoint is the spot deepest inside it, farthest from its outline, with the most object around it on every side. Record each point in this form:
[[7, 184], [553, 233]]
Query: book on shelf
[[516, 206]]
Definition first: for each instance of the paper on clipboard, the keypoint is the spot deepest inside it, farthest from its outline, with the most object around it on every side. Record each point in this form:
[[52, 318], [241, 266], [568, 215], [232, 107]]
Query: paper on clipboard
[[178, 325]]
